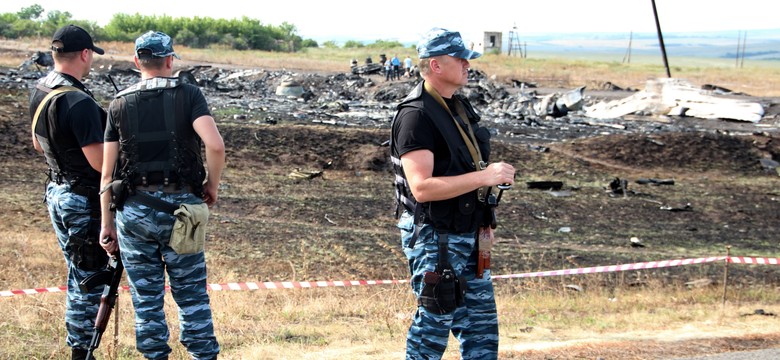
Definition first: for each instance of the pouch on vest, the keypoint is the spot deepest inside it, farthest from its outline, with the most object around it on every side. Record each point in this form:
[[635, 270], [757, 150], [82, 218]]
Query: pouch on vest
[[189, 231]]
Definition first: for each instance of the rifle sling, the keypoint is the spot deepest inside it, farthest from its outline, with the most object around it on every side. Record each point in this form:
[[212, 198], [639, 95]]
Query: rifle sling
[[143, 198], [470, 139], [49, 96], [443, 243]]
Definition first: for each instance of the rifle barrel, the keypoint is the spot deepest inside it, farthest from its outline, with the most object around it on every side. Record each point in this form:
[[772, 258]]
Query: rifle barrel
[[107, 302], [110, 79]]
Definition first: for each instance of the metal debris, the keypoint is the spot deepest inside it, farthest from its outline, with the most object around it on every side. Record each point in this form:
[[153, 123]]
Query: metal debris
[[678, 97], [686, 207], [655, 182], [301, 174], [513, 110]]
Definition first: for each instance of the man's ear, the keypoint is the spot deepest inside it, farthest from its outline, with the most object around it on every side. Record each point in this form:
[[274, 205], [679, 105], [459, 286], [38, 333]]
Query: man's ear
[[169, 62], [137, 64], [85, 55], [434, 65]]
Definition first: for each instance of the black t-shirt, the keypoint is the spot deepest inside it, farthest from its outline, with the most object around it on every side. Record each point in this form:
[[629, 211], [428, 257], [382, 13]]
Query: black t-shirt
[[80, 121], [415, 130], [150, 118], [80, 117]]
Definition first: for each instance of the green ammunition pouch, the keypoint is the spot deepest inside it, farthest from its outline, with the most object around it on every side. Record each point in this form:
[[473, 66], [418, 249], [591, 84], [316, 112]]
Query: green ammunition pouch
[[443, 291], [189, 231]]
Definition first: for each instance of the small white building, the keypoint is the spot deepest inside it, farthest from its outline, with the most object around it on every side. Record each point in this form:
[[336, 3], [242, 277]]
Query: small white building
[[490, 43]]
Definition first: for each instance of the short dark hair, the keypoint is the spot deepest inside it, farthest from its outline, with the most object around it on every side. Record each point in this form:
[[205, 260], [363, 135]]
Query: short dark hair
[[147, 60], [63, 56]]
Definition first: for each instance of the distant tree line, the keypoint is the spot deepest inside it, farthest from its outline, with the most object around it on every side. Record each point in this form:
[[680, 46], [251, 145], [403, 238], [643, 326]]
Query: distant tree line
[[197, 32]]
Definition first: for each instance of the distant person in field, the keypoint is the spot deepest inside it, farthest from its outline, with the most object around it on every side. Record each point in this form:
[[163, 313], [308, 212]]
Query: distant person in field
[[154, 135], [396, 67], [443, 184], [388, 70], [408, 66], [69, 132]]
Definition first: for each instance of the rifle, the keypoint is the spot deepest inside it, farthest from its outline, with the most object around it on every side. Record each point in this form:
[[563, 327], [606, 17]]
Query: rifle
[[111, 80], [485, 234], [110, 276]]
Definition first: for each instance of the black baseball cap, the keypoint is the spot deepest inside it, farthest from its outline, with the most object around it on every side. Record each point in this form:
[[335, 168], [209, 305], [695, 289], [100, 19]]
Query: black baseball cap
[[74, 38]]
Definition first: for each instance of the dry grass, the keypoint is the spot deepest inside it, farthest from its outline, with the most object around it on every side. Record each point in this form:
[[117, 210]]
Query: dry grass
[[537, 316]]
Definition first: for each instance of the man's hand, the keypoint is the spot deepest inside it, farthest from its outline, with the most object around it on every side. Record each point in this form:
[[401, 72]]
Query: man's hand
[[210, 194], [108, 240], [500, 173]]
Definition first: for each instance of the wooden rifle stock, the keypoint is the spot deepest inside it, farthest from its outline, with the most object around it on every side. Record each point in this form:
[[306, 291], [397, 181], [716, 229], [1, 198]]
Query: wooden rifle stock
[[107, 300]]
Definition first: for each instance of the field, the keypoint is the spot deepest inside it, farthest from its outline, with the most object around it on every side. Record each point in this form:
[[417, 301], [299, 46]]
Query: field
[[269, 226]]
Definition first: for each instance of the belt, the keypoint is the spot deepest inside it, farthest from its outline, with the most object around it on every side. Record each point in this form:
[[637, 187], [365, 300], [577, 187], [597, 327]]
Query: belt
[[87, 191], [91, 193], [153, 202], [170, 188]]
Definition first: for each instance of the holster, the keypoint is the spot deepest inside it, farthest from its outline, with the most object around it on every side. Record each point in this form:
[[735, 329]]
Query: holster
[[120, 190], [86, 253], [443, 291]]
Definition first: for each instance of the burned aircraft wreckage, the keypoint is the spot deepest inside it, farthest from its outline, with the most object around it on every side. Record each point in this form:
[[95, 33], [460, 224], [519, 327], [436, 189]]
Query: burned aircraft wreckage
[[516, 111]]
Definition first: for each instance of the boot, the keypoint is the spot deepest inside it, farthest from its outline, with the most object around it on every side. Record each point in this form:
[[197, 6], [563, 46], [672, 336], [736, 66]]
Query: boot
[[80, 354]]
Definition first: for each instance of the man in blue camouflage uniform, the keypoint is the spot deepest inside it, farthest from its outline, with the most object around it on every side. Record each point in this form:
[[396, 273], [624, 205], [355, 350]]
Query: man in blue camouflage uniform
[[153, 143], [442, 181], [68, 130]]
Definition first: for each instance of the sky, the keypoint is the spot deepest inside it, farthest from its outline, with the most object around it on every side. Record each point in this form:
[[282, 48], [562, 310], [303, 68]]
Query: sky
[[370, 20]]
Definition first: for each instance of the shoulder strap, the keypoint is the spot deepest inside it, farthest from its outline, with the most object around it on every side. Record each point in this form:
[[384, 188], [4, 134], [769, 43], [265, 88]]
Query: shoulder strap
[[49, 96], [470, 139]]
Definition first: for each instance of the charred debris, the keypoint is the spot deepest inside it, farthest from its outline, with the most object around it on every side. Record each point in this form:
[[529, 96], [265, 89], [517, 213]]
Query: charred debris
[[515, 110]]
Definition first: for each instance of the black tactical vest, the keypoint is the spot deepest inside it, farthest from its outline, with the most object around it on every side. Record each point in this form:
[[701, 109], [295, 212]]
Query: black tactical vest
[[182, 164], [460, 214], [64, 157]]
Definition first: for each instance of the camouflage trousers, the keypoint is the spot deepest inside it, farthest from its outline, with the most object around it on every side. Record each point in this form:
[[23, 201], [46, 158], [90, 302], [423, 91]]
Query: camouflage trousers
[[143, 234], [70, 216], [475, 323]]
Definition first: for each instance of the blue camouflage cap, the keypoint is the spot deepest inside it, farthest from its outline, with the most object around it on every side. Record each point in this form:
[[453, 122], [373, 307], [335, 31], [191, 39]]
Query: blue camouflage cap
[[159, 43], [438, 41]]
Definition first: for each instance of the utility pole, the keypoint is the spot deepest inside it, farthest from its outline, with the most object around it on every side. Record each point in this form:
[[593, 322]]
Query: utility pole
[[744, 41], [627, 56], [661, 40], [739, 38]]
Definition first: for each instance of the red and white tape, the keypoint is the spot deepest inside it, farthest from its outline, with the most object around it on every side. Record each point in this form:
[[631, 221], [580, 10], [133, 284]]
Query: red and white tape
[[752, 260], [317, 284], [615, 268], [298, 284]]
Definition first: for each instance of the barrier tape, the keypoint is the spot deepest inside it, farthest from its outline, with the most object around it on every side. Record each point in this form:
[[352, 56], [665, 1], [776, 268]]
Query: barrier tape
[[298, 284], [615, 268], [752, 260], [275, 285]]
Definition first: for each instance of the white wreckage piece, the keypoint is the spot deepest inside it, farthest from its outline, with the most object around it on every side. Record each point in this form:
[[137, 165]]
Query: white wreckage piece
[[677, 97], [557, 104]]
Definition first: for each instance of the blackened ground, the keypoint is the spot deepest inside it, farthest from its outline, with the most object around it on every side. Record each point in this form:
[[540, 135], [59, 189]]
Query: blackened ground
[[340, 225]]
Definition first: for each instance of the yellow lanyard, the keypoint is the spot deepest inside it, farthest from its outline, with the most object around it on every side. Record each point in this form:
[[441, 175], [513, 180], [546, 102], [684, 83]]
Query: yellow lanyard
[[470, 139], [46, 99]]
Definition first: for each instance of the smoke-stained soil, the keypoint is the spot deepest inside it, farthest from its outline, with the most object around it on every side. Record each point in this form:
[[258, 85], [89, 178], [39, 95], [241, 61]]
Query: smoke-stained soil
[[338, 223]]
